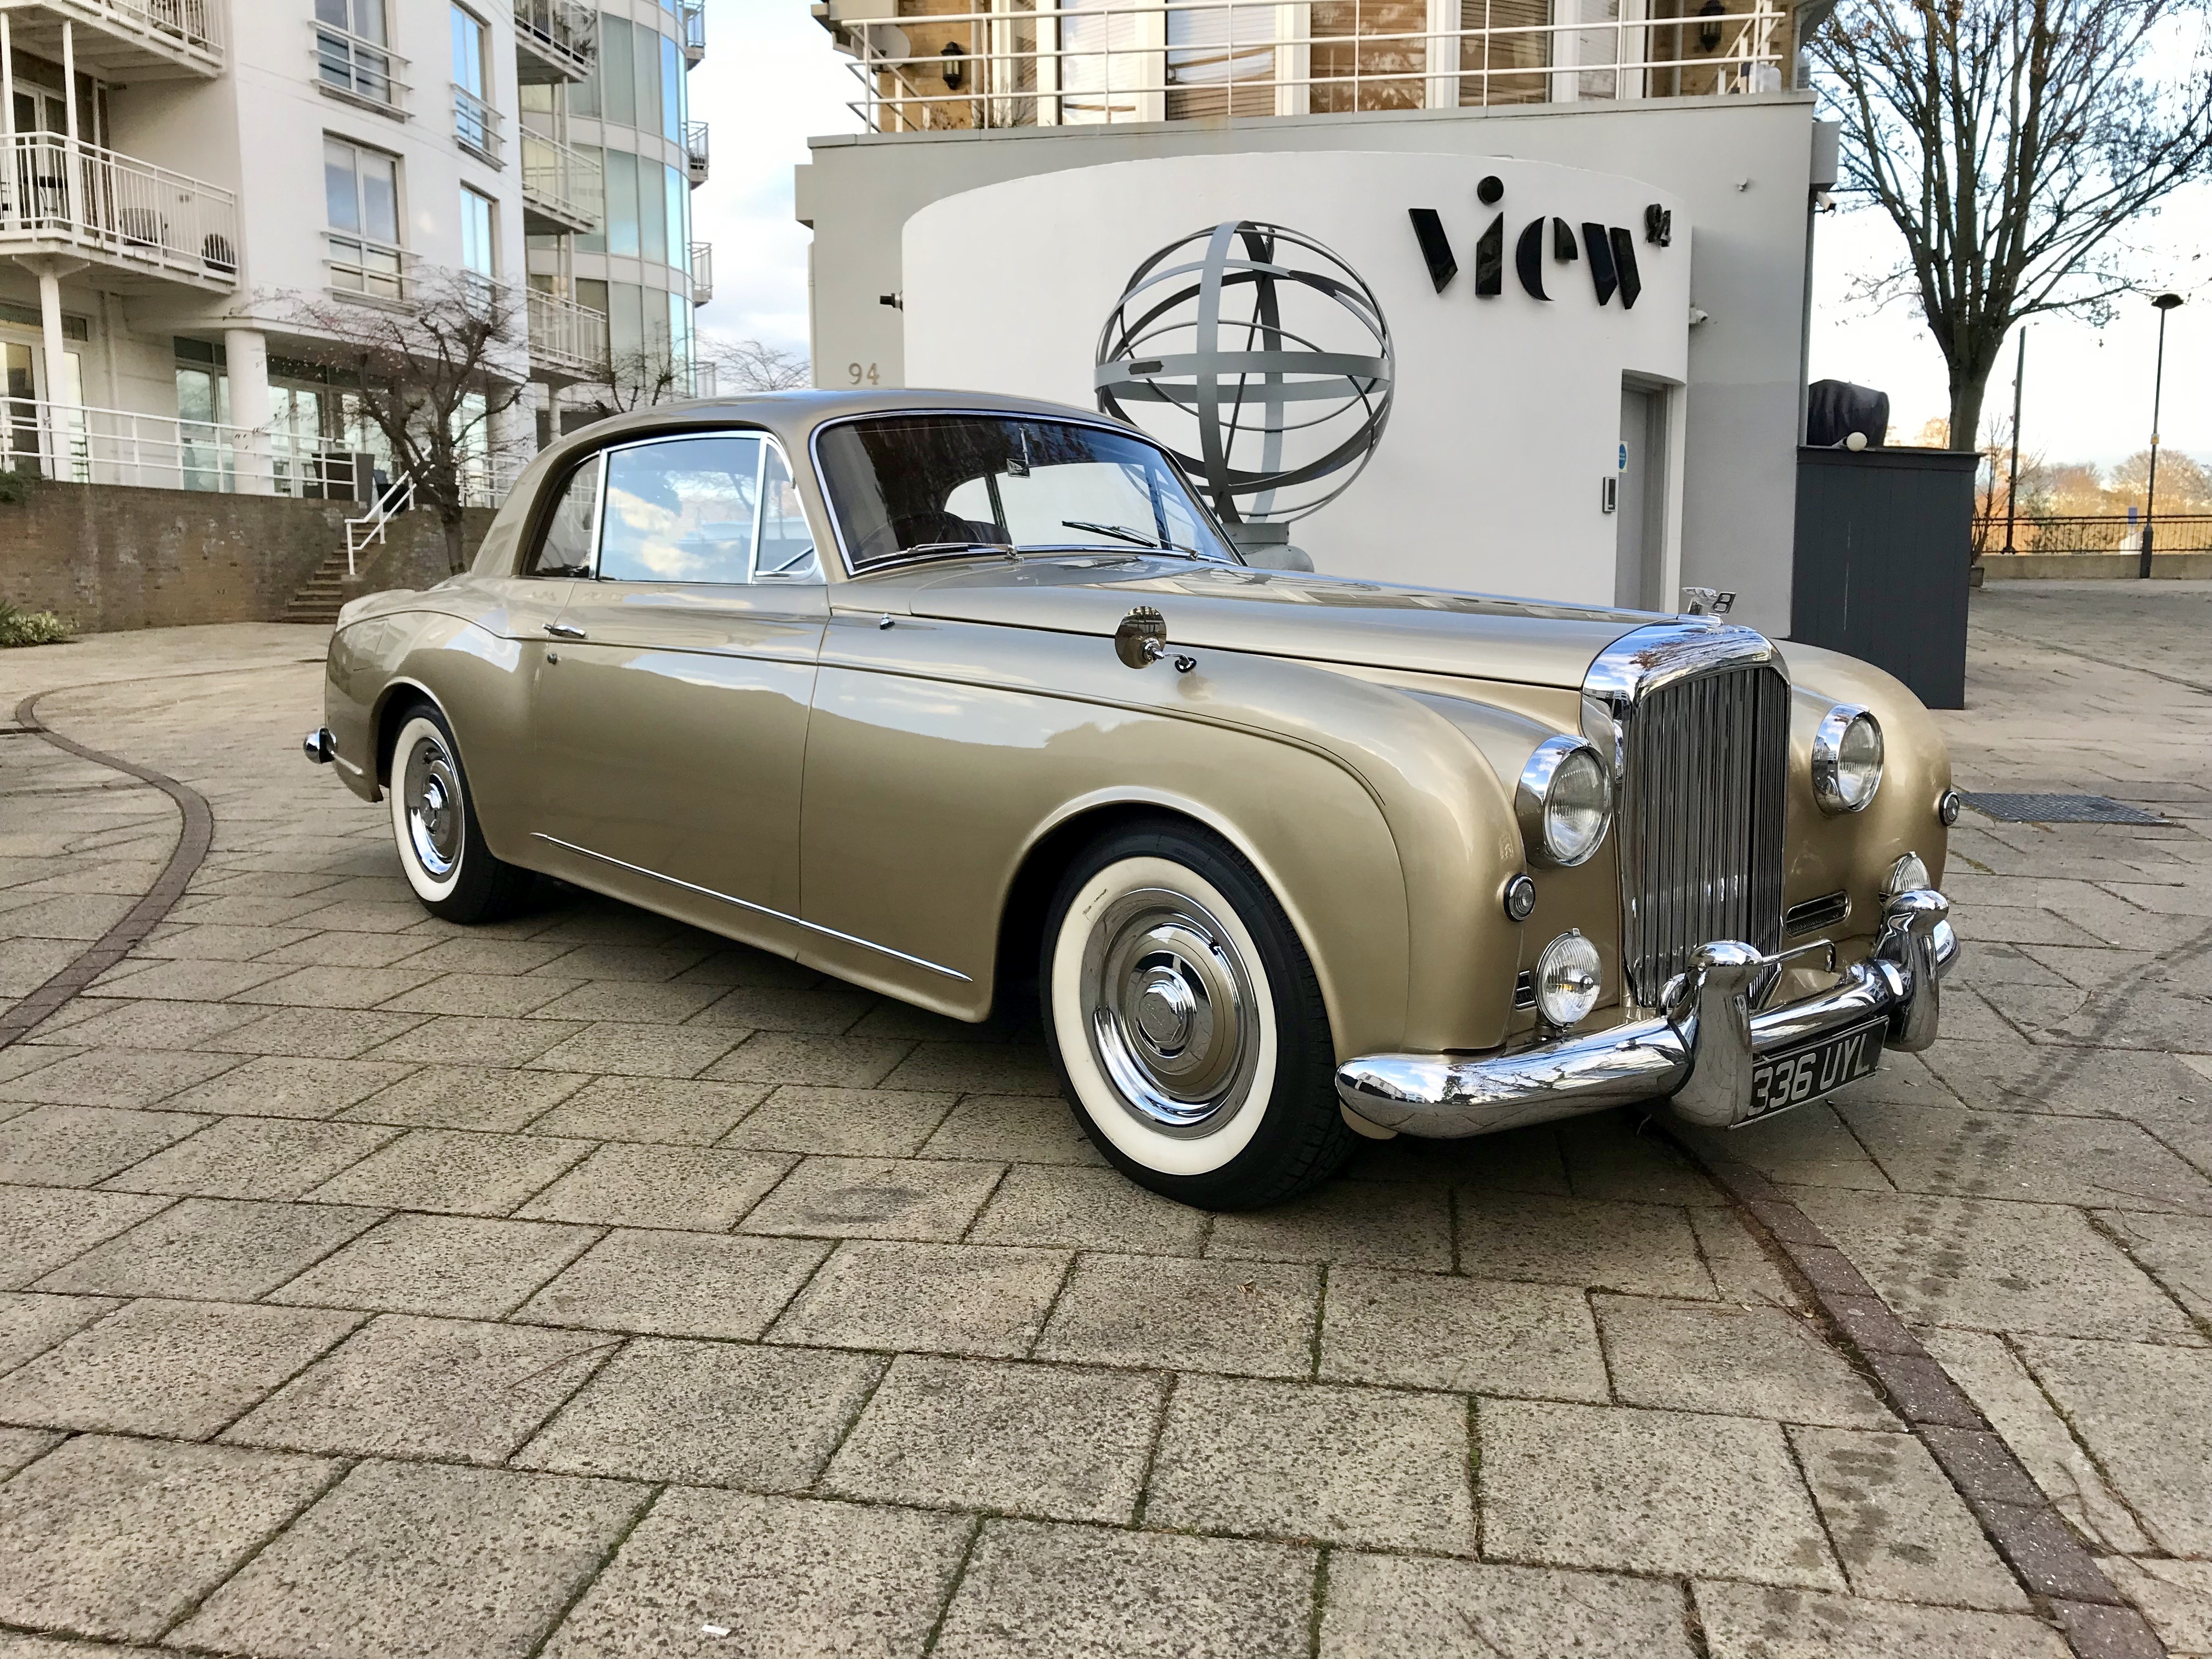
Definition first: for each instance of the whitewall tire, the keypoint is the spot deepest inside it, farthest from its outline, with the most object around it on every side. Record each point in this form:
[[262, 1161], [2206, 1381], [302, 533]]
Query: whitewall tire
[[433, 824], [1187, 1023]]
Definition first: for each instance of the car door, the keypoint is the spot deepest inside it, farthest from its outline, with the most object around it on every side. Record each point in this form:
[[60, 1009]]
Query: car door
[[672, 717]]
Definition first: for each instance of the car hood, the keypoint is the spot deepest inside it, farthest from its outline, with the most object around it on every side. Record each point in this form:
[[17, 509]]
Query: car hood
[[1277, 613]]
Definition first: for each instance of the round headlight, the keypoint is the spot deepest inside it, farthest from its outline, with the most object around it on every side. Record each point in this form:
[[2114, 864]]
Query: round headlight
[[1563, 801], [1846, 759], [1566, 980]]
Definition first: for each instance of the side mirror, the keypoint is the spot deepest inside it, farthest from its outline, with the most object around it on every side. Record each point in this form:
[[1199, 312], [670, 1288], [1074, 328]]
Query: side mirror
[[1142, 638]]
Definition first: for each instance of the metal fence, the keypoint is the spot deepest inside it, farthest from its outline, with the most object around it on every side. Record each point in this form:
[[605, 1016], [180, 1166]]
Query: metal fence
[[2095, 532], [561, 181], [193, 27], [1026, 64], [73, 444]]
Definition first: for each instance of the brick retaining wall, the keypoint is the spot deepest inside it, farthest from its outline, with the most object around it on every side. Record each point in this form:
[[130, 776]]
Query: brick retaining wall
[[110, 558]]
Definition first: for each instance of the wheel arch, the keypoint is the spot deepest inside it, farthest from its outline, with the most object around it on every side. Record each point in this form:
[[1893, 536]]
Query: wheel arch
[[389, 712], [1060, 839]]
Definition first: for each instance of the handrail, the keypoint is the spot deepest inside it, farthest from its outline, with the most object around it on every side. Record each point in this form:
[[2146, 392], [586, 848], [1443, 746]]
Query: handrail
[[477, 124], [365, 531], [564, 334], [56, 189], [192, 26], [77, 443], [358, 67], [1082, 62], [563, 179], [559, 29]]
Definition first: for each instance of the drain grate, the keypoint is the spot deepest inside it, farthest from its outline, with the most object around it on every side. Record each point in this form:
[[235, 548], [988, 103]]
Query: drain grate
[[2059, 809]]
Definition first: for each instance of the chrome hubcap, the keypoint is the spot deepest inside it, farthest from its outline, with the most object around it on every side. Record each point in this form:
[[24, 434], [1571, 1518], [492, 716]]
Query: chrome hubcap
[[1170, 1011], [432, 793]]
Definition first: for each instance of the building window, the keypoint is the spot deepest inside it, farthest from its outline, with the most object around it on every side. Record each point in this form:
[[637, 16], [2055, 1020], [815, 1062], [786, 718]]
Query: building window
[[594, 240], [479, 233], [677, 188], [476, 123], [617, 76], [361, 189], [651, 212], [352, 50], [622, 203], [671, 92]]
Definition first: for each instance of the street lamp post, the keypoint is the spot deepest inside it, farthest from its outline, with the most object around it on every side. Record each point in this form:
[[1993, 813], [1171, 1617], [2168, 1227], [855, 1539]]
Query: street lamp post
[[2164, 302]]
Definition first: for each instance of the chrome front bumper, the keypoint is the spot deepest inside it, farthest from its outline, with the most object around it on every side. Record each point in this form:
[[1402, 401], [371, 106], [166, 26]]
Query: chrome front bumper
[[1701, 1050]]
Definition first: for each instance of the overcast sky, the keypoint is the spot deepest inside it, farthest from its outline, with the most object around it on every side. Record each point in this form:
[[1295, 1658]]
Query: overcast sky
[[770, 80]]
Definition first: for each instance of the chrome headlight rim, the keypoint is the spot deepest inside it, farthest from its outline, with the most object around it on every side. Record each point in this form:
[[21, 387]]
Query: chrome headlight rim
[[1830, 788], [1532, 800], [1586, 964]]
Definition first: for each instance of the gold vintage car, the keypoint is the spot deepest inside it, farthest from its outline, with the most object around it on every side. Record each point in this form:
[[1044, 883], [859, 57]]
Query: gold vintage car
[[968, 699]]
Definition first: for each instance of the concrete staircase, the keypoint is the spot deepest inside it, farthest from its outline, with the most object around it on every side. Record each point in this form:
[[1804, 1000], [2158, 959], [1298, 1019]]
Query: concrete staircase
[[322, 593]]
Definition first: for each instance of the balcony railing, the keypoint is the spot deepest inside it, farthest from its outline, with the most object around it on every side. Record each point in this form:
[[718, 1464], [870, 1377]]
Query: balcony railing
[[72, 444], [1114, 61], [561, 186], [56, 197], [703, 272], [566, 339], [478, 126], [696, 152], [354, 67], [363, 265], [2095, 532], [695, 31], [555, 40], [123, 39]]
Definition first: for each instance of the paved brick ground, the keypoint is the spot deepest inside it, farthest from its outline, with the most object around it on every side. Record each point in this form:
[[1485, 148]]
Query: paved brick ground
[[585, 1285]]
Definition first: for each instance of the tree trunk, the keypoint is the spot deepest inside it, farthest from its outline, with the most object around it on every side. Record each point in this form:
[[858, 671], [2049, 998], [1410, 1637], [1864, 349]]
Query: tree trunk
[[1968, 383], [456, 560]]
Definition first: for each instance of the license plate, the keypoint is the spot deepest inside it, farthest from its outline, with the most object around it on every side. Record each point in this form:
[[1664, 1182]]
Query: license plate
[[1797, 1075]]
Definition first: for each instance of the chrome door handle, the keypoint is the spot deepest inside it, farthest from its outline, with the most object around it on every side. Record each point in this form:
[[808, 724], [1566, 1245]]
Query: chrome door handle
[[562, 631]]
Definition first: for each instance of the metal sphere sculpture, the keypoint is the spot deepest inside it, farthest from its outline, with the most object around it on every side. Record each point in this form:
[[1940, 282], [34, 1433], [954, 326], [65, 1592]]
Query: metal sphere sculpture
[[1260, 359]]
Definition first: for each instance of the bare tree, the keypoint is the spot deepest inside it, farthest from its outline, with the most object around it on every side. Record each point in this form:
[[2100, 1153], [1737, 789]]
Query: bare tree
[[2011, 143], [635, 379], [431, 372], [751, 366]]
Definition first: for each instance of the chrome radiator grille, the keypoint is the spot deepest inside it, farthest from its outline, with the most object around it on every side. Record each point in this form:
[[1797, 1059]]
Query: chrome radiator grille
[[1700, 820]]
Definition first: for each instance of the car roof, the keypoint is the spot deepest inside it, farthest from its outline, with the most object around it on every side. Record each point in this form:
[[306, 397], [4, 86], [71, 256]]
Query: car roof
[[792, 416]]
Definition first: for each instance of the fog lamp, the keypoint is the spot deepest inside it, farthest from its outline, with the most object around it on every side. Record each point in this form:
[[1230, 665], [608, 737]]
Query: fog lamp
[[1908, 875], [1946, 806], [1566, 980], [1846, 759]]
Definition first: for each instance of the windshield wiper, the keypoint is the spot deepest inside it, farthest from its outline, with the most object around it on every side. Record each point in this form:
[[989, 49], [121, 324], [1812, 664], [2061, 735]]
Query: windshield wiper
[[1122, 532], [1007, 548]]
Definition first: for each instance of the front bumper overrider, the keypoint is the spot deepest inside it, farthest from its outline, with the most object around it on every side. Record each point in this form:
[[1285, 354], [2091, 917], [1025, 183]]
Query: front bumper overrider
[[1701, 1050]]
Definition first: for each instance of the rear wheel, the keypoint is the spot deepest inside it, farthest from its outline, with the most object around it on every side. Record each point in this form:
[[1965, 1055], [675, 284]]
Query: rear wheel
[[433, 821], [1188, 1023]]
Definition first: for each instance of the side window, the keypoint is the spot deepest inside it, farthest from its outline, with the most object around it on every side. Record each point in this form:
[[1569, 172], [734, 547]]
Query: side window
[[565, 550], [786, 545], [682, 511]]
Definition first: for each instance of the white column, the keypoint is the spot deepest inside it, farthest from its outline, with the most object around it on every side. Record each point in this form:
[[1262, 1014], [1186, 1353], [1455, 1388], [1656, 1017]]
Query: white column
[[247, 351], [72, 183]]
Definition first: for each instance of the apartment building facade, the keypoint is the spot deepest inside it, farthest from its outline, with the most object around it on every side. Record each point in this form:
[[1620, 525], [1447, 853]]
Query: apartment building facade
[[188, 183], [1019, 162]]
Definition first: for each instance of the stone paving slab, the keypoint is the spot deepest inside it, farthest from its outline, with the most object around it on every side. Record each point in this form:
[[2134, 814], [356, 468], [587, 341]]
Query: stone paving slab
[[667, 1288]]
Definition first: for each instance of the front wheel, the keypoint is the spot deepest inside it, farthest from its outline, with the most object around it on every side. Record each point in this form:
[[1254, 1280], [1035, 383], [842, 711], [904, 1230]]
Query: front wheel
[[434, 820], [1188, 1023]]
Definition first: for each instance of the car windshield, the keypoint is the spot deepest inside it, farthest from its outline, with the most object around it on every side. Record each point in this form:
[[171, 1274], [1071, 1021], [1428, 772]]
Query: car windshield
[[904, 485]]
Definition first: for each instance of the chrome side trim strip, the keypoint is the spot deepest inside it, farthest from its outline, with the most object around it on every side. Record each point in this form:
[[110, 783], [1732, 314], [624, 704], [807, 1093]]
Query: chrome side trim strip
[[758, 909]]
